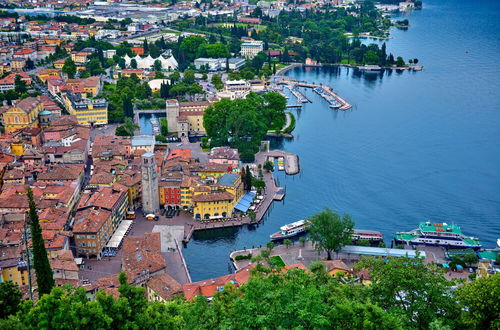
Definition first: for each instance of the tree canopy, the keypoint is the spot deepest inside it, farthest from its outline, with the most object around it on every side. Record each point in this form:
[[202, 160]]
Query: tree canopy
[[329, 231], [242, 123]]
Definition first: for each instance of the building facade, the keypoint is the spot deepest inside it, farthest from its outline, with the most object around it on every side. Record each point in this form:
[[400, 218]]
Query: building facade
[[87, 111], [251, 48]]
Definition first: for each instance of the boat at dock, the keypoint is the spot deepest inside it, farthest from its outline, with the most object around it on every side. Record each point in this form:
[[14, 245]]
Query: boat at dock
[[370, 68], [370, 235], [281, 163], [290, 230], [437, 234]]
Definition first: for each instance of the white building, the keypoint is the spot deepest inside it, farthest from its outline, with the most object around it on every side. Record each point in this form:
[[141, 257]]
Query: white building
[[168, 62], [251, 48], [211, 64]]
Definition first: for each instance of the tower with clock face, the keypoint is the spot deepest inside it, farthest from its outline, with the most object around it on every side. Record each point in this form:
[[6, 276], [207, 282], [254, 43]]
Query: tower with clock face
[[150, 198]]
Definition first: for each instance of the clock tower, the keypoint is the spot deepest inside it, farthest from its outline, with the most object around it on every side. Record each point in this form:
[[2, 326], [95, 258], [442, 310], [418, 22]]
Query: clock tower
[[150, 198]]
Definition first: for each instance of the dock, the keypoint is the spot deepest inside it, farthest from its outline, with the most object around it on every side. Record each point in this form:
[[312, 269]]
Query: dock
[[291, 160], [339, 103]]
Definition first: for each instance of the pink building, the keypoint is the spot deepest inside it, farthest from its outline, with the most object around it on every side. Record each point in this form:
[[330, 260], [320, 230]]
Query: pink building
[[225, 155]]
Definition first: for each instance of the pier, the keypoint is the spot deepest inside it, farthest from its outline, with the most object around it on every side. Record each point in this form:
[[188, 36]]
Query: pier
[[291, 84]]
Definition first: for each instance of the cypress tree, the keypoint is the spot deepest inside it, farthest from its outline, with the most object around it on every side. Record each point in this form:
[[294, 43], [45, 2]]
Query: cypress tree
[[248, 178], [44, 275]]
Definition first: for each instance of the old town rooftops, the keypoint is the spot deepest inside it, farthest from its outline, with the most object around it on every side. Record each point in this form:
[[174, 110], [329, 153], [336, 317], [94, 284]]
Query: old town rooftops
[[90, 220]]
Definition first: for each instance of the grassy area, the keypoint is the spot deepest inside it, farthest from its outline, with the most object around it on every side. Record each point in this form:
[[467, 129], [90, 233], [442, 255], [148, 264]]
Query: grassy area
[[290, 127], [171, 31], [277, 261]]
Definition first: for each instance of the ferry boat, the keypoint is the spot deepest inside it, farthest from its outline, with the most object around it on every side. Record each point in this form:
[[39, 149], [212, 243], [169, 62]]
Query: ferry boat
[[370, 235], [437, 234], [281, 163], [290, 230]]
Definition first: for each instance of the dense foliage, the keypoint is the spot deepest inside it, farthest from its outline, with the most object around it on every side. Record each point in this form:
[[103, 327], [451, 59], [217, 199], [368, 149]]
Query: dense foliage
[[397, 299], [242, 123]]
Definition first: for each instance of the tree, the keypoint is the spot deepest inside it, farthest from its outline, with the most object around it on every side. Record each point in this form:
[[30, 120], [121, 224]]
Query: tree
[[400, 62], [164, 126], [217, 81], [121, 63], [126, 129], [94, 67], [470, 259], [480, 302], [287, 243], [415, 60], [363, 242], [258, 184], [329, 231], [133, 63], [411, 288], [189, 78], [286, 56], [302, 241], [69, 68], [157, 66], [248, 179], [44, 275], [20, 85], [128, 107], [10, 299], [268, 165], [270, 245]]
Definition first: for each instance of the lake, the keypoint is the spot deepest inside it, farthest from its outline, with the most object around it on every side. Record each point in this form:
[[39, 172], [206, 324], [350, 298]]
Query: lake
[[416, 146]]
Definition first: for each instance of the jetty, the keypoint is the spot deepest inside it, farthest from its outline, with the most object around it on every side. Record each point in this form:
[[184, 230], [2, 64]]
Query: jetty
[[327, 92], [291, 161]]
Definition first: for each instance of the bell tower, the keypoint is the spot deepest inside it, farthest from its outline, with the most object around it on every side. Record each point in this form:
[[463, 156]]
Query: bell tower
[[150, 198]]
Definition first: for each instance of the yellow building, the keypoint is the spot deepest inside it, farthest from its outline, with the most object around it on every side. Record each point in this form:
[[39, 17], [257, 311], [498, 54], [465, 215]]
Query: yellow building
[[213, 205], [87, 111], [17, 64], [17, 148], [15, 271], [80, 57], [208, 170], [22, 114], [59, 63], [45, 74], [231, 183]]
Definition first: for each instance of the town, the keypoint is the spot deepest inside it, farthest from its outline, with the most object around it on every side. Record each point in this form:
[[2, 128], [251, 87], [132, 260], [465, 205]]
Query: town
[[128, 126]]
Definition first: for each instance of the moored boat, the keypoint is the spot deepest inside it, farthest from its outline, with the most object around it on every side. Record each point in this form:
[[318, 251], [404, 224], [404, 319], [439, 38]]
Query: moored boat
[[290, 230], [370, 235], [437, 234]]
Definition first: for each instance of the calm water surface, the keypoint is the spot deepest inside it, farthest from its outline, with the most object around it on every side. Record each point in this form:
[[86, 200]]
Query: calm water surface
[[415, 146]]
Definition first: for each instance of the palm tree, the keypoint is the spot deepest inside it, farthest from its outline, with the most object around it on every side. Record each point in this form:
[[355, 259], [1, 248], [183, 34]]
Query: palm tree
[[287, 243]]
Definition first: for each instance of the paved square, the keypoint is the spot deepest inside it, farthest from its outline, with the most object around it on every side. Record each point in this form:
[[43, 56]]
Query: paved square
[[167, 236]]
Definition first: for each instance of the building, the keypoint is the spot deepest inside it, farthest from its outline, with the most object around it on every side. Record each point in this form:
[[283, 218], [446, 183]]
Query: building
[[162, 287], [250, 48], [150, 196], [210, 64], [15, 271], [144, 143], [186, 118], [235, 63], [212, 205], [225, 155], [87, 111], [22, 114], [17, 64], [92, 230]]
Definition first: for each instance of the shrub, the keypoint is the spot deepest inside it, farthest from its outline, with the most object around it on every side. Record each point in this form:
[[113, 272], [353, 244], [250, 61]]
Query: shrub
[[243, 257], [247, 157]]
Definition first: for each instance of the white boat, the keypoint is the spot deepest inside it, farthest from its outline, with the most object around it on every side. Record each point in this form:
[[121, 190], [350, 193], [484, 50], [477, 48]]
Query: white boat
[[290, 230]]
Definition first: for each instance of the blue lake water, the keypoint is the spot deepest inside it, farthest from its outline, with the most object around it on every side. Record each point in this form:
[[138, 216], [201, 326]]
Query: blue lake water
[[415, 146]]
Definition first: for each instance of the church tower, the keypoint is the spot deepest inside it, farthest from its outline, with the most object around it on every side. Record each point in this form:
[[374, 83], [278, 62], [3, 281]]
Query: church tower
[[150, 198]]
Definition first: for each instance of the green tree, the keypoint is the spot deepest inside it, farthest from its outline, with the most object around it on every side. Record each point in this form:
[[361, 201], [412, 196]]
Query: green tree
[[126, 129], [217, 82], [20, 85], [133, 63], [248, 179], [164, 126], [69, 68], [10, 299], [268, 165], [480, 302], [258, 184], [270, 245], [470, 259], [157, 66], [189, 78], [302, 241], [400, 62], [121, 63], [411, 288], [287, 243], [44, 275], [329, 231], [94, 67], [128, 107], [363, 242]]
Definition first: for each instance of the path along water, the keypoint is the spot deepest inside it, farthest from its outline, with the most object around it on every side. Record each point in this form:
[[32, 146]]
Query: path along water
[[415, 146]]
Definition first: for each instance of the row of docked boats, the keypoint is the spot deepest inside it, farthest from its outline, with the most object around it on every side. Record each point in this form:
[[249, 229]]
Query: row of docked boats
[[431, 234], [334, 104]]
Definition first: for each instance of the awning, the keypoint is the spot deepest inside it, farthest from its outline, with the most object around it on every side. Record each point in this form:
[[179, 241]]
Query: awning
[[244, 203], [120, 232]]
